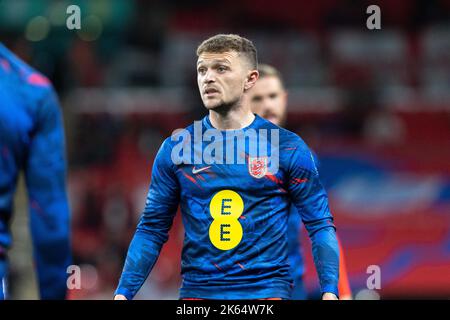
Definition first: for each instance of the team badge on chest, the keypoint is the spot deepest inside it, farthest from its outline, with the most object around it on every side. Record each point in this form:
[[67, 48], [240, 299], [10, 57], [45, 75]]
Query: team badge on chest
[[257, 166]]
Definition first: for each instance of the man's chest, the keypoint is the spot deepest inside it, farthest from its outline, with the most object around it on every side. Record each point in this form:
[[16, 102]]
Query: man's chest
[[252, 178]]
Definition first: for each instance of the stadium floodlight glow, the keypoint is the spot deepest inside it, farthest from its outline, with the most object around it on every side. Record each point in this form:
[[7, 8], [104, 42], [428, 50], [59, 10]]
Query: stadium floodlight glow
[[91, 28], [37, 29]]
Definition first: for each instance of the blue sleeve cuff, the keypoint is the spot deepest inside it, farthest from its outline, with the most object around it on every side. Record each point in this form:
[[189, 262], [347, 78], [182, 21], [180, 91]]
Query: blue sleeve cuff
[[124, 291], [331, 288]]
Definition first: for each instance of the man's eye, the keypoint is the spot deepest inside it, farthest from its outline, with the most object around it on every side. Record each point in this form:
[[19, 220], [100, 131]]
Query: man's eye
[[221, 69], [201, 70]]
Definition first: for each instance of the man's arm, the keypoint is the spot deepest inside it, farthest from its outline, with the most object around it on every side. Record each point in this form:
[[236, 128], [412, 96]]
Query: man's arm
[[45, 175], [154, 225], [311, 200]]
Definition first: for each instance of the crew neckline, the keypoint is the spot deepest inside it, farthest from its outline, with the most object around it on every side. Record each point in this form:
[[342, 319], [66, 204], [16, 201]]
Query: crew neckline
[[209, 125]]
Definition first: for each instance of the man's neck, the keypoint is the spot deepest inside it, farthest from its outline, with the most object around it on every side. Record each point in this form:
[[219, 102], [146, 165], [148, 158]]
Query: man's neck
[[231, 119]]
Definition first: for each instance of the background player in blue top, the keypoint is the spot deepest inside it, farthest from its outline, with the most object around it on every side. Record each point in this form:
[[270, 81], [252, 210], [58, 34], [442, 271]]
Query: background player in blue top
[[234, 214], [32, 140], [268, 98]]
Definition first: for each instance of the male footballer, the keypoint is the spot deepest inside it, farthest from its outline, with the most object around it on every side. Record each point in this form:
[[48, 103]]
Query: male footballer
[[234, 197], [32, 140]]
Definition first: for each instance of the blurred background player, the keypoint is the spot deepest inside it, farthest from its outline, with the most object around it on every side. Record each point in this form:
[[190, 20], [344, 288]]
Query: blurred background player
[[268, 99], [245, 257], [32, 140]]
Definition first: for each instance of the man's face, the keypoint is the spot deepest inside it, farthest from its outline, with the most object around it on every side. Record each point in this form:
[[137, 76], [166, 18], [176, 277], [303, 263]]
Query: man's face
[[268, 99], [222, 78]]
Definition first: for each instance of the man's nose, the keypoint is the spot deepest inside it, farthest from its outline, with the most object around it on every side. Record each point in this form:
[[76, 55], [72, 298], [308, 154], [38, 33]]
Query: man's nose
[[268, 105], [209, 77]]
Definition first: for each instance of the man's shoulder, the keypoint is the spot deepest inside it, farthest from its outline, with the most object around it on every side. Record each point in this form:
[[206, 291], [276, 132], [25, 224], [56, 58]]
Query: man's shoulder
[[290, 143], [28, 79], [287, 138]]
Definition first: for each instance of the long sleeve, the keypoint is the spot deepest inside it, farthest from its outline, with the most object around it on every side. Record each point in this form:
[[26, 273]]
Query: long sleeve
[[154, 225], [45, 174], [310, 198]]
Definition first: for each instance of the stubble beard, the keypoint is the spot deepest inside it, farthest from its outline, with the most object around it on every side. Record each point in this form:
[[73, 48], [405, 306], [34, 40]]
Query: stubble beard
[[224, 108]]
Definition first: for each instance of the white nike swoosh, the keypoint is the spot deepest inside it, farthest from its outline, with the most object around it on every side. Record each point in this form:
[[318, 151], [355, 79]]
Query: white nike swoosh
[[195, 171]]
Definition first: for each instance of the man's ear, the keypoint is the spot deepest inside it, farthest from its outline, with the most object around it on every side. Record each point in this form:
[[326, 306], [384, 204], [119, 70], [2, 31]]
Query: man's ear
[[252, 76]]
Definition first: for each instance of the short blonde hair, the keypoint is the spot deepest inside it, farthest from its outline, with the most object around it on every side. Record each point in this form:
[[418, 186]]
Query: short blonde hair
[[230, 42]]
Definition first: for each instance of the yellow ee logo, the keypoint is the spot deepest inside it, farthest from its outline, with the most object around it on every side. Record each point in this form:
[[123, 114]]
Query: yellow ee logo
[[225, 232]]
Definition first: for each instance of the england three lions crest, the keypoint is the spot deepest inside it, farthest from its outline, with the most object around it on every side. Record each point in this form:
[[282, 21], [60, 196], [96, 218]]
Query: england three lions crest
[[257, 166]]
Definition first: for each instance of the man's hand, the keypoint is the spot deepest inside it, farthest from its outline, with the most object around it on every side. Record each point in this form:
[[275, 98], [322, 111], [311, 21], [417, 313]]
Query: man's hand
[[329, 296], [120, 297]]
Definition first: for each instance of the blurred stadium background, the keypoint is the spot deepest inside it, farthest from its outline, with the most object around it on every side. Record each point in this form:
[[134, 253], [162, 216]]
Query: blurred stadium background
[[374, 105]]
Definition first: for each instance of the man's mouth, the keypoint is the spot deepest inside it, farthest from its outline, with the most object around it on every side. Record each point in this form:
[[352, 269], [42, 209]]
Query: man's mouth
[[210, 91], [272, 118]]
